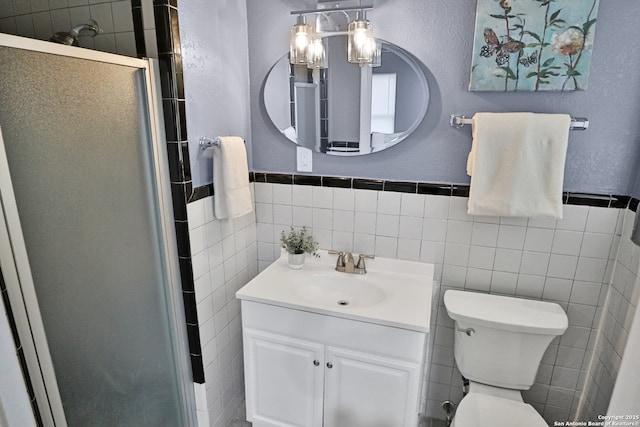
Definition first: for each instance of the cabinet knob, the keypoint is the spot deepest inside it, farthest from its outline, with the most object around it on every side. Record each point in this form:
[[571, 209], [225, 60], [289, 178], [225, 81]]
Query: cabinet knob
[[329, 365], [316, 363]]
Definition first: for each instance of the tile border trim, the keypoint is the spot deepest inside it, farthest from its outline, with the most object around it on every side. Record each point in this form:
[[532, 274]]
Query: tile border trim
[[410, 187], [165, 14]]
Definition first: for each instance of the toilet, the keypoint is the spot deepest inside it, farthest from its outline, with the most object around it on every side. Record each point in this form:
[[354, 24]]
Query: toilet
[[499, 343]]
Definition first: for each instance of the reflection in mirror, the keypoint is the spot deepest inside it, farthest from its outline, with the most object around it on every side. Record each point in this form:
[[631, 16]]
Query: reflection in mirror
[[347, 109]]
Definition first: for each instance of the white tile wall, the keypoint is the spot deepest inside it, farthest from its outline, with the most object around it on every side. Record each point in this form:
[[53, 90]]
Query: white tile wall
[[618, 304], [569, 261], [224, 257], [42, 18]]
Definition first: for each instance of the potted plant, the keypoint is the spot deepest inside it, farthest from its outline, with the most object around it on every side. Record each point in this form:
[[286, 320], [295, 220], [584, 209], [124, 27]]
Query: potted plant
[[297, 243]]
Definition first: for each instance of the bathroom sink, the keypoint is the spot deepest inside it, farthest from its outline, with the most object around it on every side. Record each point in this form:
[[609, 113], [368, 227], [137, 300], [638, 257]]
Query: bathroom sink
[[342, 290], [392, 292]]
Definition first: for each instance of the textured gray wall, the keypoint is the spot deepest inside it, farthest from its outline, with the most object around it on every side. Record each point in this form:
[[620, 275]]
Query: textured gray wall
[[216, 75], [603, 159]]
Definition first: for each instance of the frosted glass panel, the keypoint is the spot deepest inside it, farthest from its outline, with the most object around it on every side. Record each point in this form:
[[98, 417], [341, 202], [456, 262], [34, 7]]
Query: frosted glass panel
[[75, 136]]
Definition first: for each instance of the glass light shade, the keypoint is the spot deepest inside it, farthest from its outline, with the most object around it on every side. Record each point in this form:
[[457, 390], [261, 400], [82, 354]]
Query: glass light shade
[[301, 35], [360, 40], [377, 53], [317, 53]]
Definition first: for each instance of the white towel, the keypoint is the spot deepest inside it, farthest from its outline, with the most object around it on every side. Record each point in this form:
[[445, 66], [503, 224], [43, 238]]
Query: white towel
[[231, 193], [516, 164]]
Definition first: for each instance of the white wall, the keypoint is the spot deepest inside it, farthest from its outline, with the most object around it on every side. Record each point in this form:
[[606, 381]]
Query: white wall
[[626, 392], [224, 259], [615, 328]]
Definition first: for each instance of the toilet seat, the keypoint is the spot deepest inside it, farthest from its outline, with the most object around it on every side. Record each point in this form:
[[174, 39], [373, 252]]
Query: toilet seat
[[480, 410]]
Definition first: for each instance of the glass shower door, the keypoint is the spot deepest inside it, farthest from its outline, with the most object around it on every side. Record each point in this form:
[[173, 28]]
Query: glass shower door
[[83, 172]]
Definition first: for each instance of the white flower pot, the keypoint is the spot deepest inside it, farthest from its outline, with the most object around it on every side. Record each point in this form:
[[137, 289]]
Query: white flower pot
[[296, 261]]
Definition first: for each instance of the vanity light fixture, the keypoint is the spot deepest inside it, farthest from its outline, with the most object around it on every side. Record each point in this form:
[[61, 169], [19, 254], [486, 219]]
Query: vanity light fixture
[[301, 35], [361, 44], [306, 46]]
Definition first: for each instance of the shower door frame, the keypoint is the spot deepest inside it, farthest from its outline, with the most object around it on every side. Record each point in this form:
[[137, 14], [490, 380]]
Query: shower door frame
[[15, 263]]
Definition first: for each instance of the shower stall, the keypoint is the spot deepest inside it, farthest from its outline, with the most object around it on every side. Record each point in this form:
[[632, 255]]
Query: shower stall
[[87, 247]]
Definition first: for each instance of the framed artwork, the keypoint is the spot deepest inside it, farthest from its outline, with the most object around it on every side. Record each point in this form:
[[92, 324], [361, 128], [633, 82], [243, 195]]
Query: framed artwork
[[533, 45]]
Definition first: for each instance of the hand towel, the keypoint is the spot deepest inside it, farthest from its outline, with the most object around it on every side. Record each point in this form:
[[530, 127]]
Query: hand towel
[[516, 164], [231, 193]]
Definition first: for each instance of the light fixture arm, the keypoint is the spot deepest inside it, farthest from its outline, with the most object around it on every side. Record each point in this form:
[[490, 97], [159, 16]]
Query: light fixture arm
[[333, 9]]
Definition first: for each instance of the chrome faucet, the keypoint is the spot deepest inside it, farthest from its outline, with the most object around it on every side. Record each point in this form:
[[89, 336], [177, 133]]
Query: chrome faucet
[[346, 264], [349, 265]]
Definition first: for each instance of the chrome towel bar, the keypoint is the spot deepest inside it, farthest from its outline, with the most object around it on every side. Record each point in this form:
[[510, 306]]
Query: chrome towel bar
[[577, 123], [206, 142]]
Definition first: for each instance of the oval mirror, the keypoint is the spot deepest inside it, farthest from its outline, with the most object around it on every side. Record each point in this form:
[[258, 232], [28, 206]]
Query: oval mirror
[[347, 109]]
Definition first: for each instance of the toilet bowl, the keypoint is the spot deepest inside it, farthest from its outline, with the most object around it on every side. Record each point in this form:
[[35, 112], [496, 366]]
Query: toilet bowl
[[499, 343]]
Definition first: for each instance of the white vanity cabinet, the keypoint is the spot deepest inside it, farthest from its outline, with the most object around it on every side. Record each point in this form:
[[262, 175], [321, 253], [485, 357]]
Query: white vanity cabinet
[[310, 369], [283, 380], [364, 390]]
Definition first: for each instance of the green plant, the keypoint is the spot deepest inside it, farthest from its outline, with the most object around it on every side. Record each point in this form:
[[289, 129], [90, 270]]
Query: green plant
[[298, 242]]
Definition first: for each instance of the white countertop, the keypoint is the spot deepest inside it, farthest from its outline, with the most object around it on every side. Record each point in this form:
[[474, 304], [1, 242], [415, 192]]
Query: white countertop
[[393, 293]]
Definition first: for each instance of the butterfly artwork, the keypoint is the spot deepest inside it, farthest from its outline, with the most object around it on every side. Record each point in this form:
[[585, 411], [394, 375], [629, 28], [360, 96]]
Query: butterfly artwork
[[532, 45], [526, 61], [502, 50]]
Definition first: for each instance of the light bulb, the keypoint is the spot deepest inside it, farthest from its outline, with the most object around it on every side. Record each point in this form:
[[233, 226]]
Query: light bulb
[[360, 37], [302, 40]]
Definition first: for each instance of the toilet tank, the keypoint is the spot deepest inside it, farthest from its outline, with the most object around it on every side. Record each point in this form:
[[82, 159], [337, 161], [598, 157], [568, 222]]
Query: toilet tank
[[500, 340]]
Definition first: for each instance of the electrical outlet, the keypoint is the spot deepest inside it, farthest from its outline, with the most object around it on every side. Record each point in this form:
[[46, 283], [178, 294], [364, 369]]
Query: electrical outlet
[[304, 161]]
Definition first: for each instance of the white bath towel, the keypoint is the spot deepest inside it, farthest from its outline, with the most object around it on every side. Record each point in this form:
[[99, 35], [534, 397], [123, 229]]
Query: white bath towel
[[231, 193], [516, 164]]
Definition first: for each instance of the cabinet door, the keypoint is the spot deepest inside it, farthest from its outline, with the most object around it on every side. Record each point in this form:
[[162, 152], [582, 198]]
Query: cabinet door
[[284, 380], [363, 390]]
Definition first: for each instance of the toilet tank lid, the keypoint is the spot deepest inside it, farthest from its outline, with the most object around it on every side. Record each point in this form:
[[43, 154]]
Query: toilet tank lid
[[506, 313]]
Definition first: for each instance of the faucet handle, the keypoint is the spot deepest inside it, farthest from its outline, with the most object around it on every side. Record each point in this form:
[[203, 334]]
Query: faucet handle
[[361, 266], [340, 261]]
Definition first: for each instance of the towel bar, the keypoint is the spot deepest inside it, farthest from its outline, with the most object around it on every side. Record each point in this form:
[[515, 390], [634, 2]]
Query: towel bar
[[206, 142], [577, 123]]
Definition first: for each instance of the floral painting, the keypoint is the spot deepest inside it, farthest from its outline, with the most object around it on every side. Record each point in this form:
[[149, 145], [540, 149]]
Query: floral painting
[[533, 45]]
